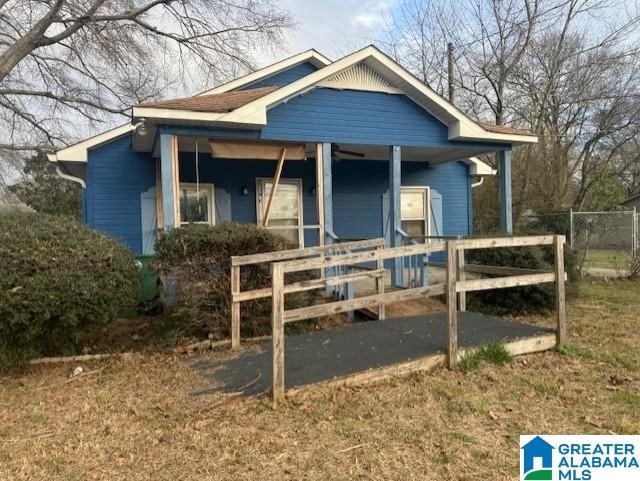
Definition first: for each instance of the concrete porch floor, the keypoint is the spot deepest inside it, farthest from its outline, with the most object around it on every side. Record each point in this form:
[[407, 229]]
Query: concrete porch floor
[[351, 349]]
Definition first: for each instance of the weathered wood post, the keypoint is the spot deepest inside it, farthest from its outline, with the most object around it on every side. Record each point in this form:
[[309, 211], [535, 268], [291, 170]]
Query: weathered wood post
[[462, 296], [235, 307], [380, 280], [277, 331], [561, 316], [452, 313]]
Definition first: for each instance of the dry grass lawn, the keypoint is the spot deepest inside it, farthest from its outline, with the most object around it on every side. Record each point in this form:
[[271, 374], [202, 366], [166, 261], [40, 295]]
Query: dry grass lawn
[[133, 418]]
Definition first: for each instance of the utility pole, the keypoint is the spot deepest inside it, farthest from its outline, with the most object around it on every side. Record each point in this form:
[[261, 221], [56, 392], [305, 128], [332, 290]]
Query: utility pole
[[450, 71]]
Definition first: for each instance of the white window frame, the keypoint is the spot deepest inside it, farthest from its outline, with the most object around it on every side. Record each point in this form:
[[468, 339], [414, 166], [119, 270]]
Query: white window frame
[[212, 202], [427, 208], [299, 184]]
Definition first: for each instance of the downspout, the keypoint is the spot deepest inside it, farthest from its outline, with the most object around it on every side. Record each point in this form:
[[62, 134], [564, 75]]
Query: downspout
[[478, 183]]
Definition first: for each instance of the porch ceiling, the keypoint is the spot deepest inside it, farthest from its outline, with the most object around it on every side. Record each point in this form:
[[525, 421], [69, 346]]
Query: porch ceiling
[[433, 155]]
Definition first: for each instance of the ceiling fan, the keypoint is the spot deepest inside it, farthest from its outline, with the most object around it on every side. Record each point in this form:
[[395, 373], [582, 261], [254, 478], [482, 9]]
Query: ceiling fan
[[335, 149]]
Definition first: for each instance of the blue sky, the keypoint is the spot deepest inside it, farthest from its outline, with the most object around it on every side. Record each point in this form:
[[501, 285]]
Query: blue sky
[[334, 27]]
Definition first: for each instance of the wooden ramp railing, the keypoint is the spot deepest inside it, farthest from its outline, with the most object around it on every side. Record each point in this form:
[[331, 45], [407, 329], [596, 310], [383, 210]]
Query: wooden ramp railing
[[455, 287], [237, 262]]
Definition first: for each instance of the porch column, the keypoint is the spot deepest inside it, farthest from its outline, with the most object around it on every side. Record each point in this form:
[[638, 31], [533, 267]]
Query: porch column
[[170, 180], [506, 211], [327, 192], [395, 172]]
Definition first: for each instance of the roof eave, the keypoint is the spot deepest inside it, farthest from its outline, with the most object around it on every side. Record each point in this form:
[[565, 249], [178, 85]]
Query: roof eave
[[312, 56]]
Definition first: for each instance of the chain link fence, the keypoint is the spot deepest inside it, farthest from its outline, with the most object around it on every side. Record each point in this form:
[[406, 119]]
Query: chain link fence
[[604, 241]]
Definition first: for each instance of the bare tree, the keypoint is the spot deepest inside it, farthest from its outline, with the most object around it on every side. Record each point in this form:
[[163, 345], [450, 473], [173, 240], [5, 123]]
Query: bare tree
[[71, 63], [566, 69]]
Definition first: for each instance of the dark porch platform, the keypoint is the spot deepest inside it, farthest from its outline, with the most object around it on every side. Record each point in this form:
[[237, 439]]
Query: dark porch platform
[[356, 348]]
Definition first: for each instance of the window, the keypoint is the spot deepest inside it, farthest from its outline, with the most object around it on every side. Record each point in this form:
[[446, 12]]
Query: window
[[196, 204], [286, 209], [414, 211]]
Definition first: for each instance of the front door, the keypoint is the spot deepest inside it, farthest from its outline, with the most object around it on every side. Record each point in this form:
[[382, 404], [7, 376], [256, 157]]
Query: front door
[[286, 208]]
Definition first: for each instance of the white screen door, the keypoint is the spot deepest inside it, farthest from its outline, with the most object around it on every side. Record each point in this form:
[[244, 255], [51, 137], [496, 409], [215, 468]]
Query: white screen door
[[286, 209]]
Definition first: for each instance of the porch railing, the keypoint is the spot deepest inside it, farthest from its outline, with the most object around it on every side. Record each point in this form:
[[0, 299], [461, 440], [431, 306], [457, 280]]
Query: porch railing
[[455, 284], [321, 252]]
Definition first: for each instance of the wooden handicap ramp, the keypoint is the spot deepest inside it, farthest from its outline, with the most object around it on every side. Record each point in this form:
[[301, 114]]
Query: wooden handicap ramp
[[350, 350]]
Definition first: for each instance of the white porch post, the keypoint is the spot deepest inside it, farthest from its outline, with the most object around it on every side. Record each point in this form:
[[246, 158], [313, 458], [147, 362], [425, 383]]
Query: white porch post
[[327, 192], [506, 209], [395, 172], [170, 180]]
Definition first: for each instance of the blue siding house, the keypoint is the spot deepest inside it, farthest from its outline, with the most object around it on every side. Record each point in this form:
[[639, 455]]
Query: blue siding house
[[317, 150]]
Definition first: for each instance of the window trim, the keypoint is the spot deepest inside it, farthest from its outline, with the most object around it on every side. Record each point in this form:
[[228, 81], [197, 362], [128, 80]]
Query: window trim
[[288, 180], [427, 207], [212, 202]]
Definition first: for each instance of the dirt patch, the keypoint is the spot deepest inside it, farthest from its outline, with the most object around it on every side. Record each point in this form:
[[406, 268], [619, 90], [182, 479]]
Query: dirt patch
[[134, 418]]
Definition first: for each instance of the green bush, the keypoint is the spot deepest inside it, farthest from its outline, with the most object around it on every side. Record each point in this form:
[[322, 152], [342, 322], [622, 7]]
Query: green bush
[[526, 300], [59, 281], [198, 256]]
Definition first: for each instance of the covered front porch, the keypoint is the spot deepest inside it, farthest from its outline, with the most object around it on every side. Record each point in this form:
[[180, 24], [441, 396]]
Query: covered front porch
[[316, 194]]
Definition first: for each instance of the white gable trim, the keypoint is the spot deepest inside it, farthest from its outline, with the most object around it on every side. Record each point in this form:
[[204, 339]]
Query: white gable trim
[[460, 126], [78, 152], [478, 167], [312, 56]]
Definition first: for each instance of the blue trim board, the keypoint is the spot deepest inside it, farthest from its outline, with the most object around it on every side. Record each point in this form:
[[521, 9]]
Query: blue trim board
[[395, 181], [506, 210]]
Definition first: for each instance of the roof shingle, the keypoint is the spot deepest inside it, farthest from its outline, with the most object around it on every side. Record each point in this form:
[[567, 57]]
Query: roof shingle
[[501, 129], [216, 103]]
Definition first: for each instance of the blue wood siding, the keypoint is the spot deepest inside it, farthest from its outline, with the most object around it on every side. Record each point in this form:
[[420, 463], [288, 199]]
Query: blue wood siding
[[346, 116], [359, 185], [232, 175], [285, 77], [353, 116], [116, 176]]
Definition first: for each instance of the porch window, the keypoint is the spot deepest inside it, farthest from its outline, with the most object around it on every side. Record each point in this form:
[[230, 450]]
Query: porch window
[[414, 211], [196, 204], [286, 208]]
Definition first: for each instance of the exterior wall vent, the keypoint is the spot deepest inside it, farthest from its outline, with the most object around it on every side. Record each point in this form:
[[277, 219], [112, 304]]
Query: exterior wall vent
[[360, 77]]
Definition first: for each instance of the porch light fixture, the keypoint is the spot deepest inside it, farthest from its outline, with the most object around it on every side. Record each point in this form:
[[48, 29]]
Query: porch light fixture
[[141, 128], [244, 190]]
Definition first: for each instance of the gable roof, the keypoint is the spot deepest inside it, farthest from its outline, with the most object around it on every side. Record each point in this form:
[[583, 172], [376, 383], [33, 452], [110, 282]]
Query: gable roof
[[225, 107], [217, 103], [312, 56], [254, 113]]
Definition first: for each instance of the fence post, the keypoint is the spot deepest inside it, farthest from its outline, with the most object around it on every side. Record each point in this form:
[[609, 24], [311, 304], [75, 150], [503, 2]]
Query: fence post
[[571, 228], [235, 308], [277, 331], [634, 223], [452, 313], [380, 280], [561, 317], [462, 296]]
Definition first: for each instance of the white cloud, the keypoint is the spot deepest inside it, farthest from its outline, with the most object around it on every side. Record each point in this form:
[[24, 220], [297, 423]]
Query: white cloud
[[333, 27]]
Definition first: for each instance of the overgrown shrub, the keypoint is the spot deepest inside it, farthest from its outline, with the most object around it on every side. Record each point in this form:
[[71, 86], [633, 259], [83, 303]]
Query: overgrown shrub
[[198, 257], [526, 300], [59, 281]]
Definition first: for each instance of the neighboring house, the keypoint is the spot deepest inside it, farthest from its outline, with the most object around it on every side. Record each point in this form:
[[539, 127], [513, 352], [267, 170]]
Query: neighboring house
[[632, 202], [370, 151]]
